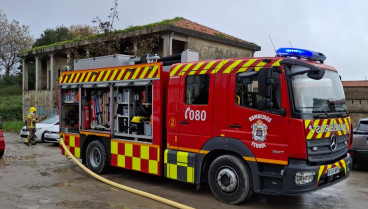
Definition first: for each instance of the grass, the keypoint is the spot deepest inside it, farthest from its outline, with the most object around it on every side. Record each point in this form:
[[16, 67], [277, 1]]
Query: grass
[[129, 29], [13, 126]]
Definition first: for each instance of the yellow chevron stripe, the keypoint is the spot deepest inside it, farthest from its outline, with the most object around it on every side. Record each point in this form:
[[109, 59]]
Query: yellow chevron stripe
[[153, 71], [342, 123], [277, 63], [100, 76], [321, 131], [88, 76], [328, 167], [182, 72], [328, 133], [347, 124], [127, 75], [311, 132], [121, 74], [93, 77], [232, 66], [246, 65], [194, 70], [136, 72], [321, 168], [113, 75], [82, 77], [107, 75], [144, 72], [343, 164], [209, 65], [219, 66], [173, 72], [260, 65], [306, 123], [71, 78], [76, 78]]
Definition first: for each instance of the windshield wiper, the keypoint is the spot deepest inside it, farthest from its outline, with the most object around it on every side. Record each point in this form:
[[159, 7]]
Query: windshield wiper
[[346, 112], [328, 115]]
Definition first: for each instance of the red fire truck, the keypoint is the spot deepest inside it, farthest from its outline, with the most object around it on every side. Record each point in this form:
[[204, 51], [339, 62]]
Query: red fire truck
[[275, 125]]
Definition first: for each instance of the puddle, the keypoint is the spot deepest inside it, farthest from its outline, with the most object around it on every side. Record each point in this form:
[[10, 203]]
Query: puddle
[[45, 174], [19, 158], [62, 170]]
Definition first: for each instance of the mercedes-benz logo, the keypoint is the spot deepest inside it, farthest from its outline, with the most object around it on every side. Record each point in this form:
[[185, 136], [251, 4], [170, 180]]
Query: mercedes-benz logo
[[333, 144]]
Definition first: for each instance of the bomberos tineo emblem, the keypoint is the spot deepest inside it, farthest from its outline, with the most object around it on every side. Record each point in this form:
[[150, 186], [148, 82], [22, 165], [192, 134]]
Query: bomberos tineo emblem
[[259, 131]]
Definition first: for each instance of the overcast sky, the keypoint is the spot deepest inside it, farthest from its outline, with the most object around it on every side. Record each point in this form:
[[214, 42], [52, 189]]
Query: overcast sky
[[337, 28]]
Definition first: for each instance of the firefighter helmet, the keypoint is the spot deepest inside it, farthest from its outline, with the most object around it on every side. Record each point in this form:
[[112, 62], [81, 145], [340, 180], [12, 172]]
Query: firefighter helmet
[[32, 109]]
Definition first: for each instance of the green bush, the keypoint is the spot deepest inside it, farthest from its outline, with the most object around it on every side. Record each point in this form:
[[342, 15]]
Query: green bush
[[11, 107], [13, 126], [9, 91]]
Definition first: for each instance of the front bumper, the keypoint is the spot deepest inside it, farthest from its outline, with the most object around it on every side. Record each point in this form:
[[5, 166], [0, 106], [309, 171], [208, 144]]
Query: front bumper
[[321, 180]]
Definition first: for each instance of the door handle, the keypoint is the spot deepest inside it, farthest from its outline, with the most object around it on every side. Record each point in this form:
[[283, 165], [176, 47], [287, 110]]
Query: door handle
[[184, 122], [234, 126]]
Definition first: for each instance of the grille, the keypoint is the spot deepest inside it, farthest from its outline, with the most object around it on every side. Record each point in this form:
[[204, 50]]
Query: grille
[[323, 153]]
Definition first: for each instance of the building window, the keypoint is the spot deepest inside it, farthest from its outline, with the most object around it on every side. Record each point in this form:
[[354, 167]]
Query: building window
[[196, 89]]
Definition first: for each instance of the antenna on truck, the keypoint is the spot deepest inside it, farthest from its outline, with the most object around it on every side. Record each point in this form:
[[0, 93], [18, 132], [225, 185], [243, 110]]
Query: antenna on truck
[[274, 48]]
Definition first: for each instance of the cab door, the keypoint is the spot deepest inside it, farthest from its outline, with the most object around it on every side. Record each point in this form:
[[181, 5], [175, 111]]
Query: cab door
[[262, 129], [195, 110]]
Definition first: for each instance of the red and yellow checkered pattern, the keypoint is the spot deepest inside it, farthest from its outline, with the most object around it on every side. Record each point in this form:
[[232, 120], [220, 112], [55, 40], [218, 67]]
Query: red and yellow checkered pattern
[[136, 156], [324, 168], [141, 71], [220, 66], [324, 128], [72, 142]]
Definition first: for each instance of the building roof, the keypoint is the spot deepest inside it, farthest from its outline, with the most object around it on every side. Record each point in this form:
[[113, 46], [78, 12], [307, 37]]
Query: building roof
[[178, 24], [363, 83]]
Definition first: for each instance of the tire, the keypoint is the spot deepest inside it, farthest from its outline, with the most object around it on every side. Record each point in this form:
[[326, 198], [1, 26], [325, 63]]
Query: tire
[[230, 179], [96, 157], [43, 137], [1, 153]]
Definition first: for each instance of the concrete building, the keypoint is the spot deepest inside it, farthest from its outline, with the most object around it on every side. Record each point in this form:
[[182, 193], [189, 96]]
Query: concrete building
[[356, 93], [175, 36]]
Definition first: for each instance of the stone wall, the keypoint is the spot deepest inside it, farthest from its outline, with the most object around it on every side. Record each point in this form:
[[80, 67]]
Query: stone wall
[[213, 50], [357, 102], [45, 102]]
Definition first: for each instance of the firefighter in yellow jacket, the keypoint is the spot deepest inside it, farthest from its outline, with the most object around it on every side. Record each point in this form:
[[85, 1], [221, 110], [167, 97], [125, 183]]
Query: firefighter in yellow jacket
[[31, 126]]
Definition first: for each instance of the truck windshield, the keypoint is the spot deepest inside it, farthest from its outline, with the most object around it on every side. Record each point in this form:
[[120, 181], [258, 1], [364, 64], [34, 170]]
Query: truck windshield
[[317, 96]]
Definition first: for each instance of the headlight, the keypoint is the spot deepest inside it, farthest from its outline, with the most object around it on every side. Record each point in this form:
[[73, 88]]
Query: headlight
[[304, 177]]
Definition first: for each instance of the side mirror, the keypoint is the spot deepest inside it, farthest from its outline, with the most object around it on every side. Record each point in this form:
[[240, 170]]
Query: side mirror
[[265, 81]]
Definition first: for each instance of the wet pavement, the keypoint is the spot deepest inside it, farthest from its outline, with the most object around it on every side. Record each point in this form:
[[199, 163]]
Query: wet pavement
[[40, 177]]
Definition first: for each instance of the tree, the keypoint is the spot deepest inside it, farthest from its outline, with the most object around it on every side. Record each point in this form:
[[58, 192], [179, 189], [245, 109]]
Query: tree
[[107, 43], [80, 31], [50, 36], [13, 39]]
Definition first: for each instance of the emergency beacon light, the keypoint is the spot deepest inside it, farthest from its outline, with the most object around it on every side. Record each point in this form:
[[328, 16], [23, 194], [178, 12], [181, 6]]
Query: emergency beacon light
[[301, 53]]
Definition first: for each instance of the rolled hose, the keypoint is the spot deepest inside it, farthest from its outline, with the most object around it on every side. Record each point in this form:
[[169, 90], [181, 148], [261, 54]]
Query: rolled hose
[[120, 186]]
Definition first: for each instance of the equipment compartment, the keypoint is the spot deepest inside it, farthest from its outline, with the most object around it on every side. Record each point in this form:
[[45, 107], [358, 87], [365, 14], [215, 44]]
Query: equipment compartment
[[133, 110], [95, 108], [69, 111]]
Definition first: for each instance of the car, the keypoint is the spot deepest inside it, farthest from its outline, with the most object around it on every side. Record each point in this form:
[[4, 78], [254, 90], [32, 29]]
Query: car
[[41, 128], [52, 134], [359, 146], [2, 141]]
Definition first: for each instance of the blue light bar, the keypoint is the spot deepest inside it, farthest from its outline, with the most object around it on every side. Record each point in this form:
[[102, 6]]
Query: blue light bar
[[301, 53]]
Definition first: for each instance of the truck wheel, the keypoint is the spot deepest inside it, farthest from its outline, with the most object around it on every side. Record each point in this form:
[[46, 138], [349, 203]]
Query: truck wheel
[[230, 180], [96, 157]]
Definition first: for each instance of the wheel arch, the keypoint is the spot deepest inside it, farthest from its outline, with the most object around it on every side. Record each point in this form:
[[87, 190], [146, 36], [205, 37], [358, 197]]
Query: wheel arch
[[219, 146], [87, 139]]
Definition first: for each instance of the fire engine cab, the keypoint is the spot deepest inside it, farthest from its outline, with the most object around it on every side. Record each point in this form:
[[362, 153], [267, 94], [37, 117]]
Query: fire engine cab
[[275, 125]]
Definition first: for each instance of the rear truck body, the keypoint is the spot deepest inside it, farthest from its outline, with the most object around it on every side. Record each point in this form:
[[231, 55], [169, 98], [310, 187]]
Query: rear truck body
[[274, 125]]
